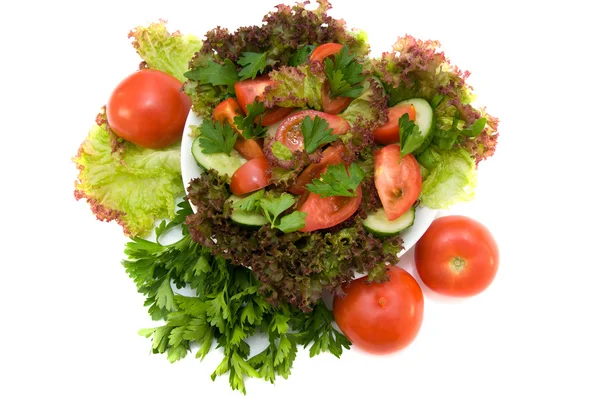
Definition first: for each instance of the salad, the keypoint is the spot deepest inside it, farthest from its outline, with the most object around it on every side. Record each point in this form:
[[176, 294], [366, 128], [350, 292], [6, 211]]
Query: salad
[[315, 156]]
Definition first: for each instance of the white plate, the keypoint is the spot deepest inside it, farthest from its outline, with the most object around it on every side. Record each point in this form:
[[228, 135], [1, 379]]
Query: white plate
[[189, 169]]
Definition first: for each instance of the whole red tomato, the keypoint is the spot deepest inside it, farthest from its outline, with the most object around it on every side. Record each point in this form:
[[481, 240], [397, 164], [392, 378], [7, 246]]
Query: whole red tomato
[[148, 109], [381, 317], [457, 256]]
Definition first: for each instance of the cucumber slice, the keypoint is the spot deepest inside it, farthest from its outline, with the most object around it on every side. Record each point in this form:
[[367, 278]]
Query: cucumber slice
[[424, 117], [223, 164], [378, 224], [246, 218]]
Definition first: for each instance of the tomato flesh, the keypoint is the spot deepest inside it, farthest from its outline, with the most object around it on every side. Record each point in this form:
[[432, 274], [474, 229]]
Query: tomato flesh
[[332, 155], [325, 50], [381, 318], [225, 112], [247, 91], [251, 176], [457, 256], [148, 109], [327, 212], [389, 133], [289, 132], [398, 181]]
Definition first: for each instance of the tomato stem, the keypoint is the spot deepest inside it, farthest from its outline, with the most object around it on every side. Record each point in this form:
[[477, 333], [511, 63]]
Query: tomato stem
[[382, 301], [458, 263]]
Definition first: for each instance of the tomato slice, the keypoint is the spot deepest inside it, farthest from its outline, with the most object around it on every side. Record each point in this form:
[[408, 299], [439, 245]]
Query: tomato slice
[[389, 133], [325, 50], [225, 112], [398, 181], [335, 105], [251, 176], [289, 132], [247, 91], [332, 155], [327, 212]]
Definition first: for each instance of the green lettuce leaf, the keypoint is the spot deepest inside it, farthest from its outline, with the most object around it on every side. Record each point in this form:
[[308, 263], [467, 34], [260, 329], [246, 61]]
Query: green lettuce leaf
[[296, 87], [451, 177], [123, 182], [167, 52]]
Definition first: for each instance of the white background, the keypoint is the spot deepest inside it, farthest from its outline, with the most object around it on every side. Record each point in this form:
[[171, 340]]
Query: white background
[[70, 314]]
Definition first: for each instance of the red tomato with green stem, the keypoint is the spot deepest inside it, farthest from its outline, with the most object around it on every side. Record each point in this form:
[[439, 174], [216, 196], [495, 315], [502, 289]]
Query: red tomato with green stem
[[225, 112], [397, 180], [389, 133], [327, 212], [331, 105], [457, 256], [247, 91], [251, 176], [289, 132], [381, 318], [148, 109]]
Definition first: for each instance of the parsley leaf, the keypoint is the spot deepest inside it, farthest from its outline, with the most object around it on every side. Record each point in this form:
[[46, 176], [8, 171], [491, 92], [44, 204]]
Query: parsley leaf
[[216, 137], [247, 125], [253, 64], [316, 132], [292, 222], [336, 181], [274, 206], [251, 202], [411, 137], [344, 74], [301, 55], [214, 73]]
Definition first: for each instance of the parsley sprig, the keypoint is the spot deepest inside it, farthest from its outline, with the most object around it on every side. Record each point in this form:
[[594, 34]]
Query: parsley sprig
[[344, 74], [337, 181], [251, 125], [217, 137], [316, 132], [273, 206], [226, 309], [253, 64]]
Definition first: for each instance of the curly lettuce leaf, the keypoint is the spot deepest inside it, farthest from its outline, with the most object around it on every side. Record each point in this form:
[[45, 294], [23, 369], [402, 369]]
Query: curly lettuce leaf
[[417, 69], [296, 87], [168, 52], [451, 177], [131, 185]]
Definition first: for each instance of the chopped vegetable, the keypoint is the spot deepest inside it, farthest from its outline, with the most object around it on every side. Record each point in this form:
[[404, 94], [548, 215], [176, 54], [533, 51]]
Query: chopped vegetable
[[338, 181]]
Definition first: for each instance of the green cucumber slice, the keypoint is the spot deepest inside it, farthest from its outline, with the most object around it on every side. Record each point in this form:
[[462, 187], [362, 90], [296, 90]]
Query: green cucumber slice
[[424, 117], [248, 219], [378, 224], [222, 163]]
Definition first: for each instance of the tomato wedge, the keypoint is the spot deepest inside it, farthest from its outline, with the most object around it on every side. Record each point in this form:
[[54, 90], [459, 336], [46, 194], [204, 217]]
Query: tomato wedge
[[325, 50], [251, 176], [398, 181], [225, 112], [389, 133], [289, 132], [335, 105], [327, 212], [332, 155], [249, 90]]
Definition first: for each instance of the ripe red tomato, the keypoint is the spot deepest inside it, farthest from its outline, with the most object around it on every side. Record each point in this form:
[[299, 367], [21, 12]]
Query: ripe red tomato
[[381, 317], [398, 181], [225, 112], [148, 109], [246, 91], [335, 105], [251, 176], [327, 212], [289, 132], [331, 155], [389, 133], [457, 256]]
